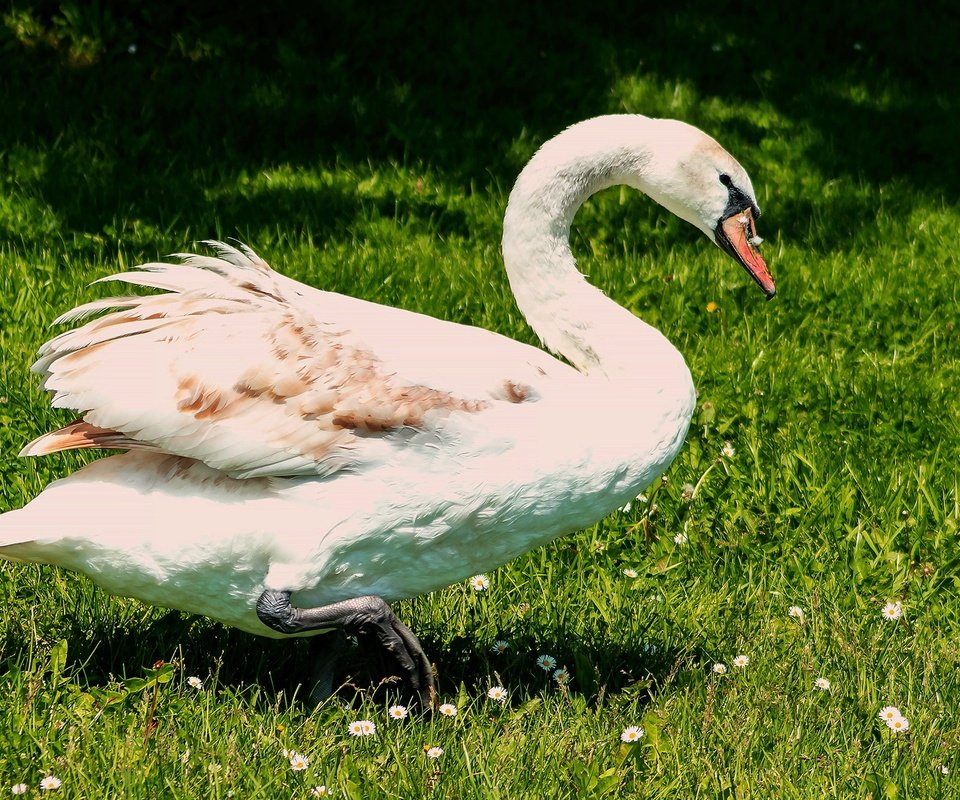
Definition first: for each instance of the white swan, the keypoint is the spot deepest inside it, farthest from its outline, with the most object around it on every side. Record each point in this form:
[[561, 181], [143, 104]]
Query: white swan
[[297, 458]]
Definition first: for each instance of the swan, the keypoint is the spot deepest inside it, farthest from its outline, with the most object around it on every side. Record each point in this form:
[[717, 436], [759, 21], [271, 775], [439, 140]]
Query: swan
[[295, 459]]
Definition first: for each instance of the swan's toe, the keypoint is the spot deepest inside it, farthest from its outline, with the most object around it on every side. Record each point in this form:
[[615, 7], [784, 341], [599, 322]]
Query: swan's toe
[[368, 614]]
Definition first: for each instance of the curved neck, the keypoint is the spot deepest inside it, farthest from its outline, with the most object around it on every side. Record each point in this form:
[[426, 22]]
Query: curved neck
[[570, 316]]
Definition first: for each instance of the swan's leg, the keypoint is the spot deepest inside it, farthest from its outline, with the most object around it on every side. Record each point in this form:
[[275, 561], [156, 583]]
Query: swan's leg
[[369, 614], [325, 650]]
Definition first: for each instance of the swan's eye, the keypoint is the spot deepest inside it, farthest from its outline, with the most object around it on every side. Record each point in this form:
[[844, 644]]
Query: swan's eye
[[725, 180]]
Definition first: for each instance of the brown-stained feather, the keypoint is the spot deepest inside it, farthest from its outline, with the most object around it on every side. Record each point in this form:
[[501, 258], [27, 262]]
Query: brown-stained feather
[[199, 474], [516, 392], [331, 385], [259, 290], [79, 435], [308, 394]]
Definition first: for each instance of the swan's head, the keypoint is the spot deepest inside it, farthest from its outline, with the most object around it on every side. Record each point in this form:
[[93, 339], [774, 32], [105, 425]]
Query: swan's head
[[695, 178]]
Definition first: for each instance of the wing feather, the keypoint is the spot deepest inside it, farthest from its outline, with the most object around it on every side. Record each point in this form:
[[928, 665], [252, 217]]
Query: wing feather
[[255, 374]]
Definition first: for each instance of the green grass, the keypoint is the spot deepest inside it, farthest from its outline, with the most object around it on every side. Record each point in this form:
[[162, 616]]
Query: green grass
[[373, 156]]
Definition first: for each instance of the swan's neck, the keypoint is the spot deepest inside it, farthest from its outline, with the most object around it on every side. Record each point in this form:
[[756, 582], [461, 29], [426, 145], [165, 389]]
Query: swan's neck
[[570, 316]]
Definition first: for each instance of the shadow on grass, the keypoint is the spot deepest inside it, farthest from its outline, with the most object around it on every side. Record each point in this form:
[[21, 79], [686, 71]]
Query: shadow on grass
[[600, 666], [206, 97]]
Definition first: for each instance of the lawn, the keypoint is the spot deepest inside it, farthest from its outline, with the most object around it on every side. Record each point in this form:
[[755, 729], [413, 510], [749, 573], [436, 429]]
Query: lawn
[[371, 152]]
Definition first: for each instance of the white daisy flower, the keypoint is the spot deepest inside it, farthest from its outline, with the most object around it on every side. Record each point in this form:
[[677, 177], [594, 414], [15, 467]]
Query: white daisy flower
[[50, 783], [889, 713], [500, 646], [497, 693], [397, 712], [362, 727], [546, 663], [944, 770], [434, 752], [822, 684], [642, 498], [630, 573], [686, 493], [298, 762], [561, 675], [194, 682], [728, 450], [480, 583], [448, 710], [900, 725], [627, 507], [320, 791], [796, 612], [741, 661], [18, 788], [892, 611], [632, 734], [720, 669], [680, 538]]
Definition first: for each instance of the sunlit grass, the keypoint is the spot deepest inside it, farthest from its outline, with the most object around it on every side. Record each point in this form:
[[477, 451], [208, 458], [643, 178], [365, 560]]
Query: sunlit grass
[[836, 404]]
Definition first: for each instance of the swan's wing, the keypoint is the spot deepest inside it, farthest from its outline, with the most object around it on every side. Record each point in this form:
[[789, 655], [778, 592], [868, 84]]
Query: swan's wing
[[255, 374]]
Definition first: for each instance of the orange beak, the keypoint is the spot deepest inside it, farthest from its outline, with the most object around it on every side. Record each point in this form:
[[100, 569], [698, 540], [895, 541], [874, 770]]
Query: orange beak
[[737, 235]]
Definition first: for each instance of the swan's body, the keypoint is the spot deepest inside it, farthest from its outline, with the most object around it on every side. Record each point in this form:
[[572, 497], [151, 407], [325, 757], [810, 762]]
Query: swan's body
[[538, 450], [285, 438]]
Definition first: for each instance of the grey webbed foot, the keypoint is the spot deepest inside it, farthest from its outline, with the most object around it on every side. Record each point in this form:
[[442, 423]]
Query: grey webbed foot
[[360, 615]]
